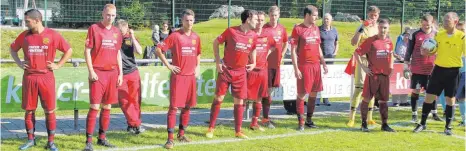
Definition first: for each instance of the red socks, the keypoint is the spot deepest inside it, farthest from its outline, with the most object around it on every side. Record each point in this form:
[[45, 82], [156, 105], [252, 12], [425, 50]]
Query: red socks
[[214, 110], [311, 105], [238, 112], [300, 110], [90, 123], [266, 107], [51, 124], [184, 121], [104, 122], [29, 121], [171, 122], [257, 113]]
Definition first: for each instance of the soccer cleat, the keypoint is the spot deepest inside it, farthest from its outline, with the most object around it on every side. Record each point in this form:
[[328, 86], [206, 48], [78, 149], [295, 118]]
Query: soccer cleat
[[105, 142], [28, 144], [310, 124], [183, 139], [387, 128], [395, 105], [364, 127], [448, 131], [88, 147], [139, 129], [350, 123], [436, 117], [169, 144], [241, 135], [131, 130], [51, 146], [419, 128], [210, 133], [257, 128], [267, 123], [413, 118], [300, 128], [371, 122]]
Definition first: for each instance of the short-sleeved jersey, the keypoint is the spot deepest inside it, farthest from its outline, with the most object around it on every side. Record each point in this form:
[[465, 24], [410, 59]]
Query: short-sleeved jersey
[[185, 50], [263, 44], [281, 37], [39, 48], [105, 44], [368, 31], [127, 55], [419, 64], [307, 40], [238, 46], [378, 53], [449, 49]]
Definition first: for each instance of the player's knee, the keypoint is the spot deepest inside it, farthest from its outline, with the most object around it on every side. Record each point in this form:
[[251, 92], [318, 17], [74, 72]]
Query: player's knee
[[95, 106], [301, 96], [107, 106], [173, 108], [219, 97], [29, 111], [313, 94], [238, 100], [49, 112]]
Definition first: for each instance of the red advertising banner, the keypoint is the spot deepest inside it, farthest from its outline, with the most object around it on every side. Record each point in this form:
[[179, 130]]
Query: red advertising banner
[[398, 84]]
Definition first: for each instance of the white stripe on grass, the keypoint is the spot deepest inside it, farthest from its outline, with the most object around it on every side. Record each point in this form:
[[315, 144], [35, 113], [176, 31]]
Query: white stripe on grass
[[267, 137], [230, 140]]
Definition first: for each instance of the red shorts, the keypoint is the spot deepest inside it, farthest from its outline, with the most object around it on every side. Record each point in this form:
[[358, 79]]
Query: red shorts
[[183, 91], [104, 90], [237, 78], [130, 90], [377, 86], [274, 78], [35, 85], [311, 80], [257, 84]]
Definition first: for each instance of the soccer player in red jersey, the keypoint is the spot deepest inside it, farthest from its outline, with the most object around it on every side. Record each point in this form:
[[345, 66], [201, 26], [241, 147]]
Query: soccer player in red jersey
[[378, 50], [257, 78], [39, 45], [103, 58], [185, 45], [307, 57], [278, 32], [240, 46], [420, 66], [129, 93]]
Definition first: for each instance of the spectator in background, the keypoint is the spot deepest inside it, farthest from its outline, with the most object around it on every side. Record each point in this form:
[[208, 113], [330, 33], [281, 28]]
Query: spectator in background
[[163, 35], [461, 26], [156, 35], [16, 21], [149, 52], [400, 51], [329, 45]]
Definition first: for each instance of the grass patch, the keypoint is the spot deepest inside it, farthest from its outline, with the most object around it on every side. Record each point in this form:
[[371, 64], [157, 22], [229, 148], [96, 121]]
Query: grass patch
[[336, 137]]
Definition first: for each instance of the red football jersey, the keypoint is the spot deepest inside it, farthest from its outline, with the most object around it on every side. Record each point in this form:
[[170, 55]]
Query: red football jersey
[[379, 54], [105, 44], [419, 64], [185, 50], [238, 46], [39, 48], [263, 44], [307, 39], [280, 36]]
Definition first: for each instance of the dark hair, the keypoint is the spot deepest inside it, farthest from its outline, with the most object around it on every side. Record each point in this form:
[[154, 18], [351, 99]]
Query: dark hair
[[187, 12], [309, 9], [34, 14], [246, 14], [384, 21], [427, 17], [261, 13], [373, 9], [165, 22]]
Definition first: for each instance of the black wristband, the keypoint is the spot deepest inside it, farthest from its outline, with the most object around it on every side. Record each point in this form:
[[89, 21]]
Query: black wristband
[[361, 30]]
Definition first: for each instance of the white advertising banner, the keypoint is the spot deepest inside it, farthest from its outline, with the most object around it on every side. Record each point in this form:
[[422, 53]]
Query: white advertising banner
[[336, 83]]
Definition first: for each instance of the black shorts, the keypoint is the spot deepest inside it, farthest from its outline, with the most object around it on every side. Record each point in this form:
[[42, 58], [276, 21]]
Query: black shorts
[[420, 79], [443, 79]]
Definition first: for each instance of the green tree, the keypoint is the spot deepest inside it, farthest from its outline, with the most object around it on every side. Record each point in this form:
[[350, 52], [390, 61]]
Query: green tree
[[134, 14]]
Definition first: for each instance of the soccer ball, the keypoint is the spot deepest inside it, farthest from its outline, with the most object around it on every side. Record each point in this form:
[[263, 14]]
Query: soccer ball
[[429, 44]]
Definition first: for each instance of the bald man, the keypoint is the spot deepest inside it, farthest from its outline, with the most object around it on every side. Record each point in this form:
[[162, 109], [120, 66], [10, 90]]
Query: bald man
[[329, 44]]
